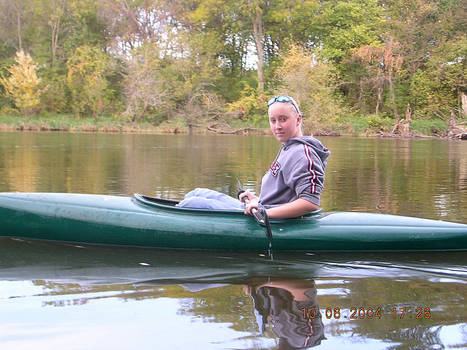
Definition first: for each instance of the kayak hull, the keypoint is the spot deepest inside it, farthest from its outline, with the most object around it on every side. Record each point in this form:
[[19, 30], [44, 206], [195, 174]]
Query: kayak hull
[[148, 222]]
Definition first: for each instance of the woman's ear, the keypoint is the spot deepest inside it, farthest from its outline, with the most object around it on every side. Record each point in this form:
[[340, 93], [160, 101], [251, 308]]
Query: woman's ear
[[299, 119]]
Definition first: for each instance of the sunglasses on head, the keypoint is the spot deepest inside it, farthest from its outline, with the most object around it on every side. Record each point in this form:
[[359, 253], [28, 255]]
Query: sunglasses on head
[[284, 99]]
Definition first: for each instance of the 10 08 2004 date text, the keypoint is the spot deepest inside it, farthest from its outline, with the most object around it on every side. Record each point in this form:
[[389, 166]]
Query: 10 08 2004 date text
[[368, 313]]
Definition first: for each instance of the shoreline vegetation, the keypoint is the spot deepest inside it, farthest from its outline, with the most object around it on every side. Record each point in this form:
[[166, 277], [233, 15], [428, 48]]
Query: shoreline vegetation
[[362, 127], [370, 68]]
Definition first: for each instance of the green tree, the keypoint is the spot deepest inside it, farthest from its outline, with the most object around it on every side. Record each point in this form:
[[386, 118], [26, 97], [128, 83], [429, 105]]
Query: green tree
[[87, 81], [251, 105], [23, 84], [259, 24], [428, 32], [235, 24], [343, 26], [305, 75], [50, 30], [15, 21], [420, 26], [422, 92], [338, 29], [448, 69], [195, 76]]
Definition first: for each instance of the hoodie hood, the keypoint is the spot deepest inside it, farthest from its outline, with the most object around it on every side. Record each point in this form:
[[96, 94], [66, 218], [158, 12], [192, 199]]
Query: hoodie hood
[[322, 152]]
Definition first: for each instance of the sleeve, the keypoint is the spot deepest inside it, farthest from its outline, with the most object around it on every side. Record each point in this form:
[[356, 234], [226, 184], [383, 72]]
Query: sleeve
[[306, 176]]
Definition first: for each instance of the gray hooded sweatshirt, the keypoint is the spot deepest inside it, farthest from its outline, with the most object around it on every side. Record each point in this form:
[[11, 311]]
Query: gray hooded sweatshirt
[[297, 172]]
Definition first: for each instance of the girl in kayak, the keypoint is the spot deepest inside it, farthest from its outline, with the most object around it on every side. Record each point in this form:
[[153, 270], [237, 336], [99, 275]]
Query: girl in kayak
[[293, 184]]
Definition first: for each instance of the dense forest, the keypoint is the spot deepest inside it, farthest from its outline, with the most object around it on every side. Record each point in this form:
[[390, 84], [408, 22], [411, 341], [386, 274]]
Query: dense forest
[[383, 63]]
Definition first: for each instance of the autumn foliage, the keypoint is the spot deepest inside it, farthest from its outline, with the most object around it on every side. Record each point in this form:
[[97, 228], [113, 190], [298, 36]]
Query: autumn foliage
[[210, 60], [22, 85]]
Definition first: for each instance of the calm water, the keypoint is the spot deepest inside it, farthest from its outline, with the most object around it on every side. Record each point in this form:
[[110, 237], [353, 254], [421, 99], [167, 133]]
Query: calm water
[[55, 296]]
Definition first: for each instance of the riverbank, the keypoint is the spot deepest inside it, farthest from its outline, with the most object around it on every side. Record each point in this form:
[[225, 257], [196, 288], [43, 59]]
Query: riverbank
[[68, 123], [367, 126]]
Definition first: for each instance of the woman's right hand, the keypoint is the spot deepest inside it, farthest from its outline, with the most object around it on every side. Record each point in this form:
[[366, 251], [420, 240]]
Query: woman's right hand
[[250, 200], [251, 205]]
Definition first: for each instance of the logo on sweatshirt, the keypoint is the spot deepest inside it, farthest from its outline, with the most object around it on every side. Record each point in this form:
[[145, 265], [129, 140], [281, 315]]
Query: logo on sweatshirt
[[274, 168]]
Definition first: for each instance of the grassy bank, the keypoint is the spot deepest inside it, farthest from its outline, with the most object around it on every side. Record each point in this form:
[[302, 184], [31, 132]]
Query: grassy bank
[[61, 122], [373, 125], [351, 125]]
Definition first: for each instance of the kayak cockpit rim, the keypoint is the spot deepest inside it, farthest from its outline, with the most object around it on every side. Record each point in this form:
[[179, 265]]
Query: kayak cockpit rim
[[169, 204]]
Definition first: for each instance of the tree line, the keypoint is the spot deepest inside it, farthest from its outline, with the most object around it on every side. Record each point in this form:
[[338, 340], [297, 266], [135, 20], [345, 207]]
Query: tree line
[[199, 60]]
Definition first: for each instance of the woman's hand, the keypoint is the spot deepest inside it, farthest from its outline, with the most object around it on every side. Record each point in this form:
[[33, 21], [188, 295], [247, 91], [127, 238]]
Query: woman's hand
[[250, 205], [248, 195], [251, 201]]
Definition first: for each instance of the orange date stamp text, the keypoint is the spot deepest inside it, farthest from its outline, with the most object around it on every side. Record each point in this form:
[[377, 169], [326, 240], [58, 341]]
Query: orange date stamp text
[[368, 313]]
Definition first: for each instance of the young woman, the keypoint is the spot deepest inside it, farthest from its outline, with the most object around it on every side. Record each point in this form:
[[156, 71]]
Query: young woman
[[293, 184]]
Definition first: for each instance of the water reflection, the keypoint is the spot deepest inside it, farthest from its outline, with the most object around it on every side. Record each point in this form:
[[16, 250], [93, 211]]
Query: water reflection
[[423, 178], [291, 307], [261, 301]]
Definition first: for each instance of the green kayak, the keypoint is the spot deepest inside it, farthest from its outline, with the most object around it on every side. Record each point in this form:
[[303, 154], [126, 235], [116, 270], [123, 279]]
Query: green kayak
[[150, 222]]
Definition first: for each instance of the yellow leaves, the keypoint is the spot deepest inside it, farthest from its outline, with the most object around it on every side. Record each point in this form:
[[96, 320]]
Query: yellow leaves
[[86, 80], [305, 77], [206, 10], [23, 84], [87, 61], [250, 104]]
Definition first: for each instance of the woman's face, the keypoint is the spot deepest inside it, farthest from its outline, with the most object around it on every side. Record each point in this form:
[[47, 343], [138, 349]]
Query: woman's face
[[284, 121]]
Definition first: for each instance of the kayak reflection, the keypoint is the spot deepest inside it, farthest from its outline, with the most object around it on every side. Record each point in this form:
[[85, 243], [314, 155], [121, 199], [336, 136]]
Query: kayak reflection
[[291, 307], [30, 260]]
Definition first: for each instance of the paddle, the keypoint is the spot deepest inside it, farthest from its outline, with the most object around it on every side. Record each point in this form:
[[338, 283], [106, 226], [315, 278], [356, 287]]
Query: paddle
[[261, 217]]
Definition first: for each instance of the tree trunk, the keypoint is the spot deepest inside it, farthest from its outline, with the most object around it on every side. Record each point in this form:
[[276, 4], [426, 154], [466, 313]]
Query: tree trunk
[[402, 126], [257, 22], [408, 120], [18, 28], [463, 103], [379, 96], [140, 115], [56, 26], [392, 97], [360, 95], [55, 30]]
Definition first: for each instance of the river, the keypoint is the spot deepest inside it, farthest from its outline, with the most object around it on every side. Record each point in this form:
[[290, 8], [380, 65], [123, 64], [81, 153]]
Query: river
[[86, 297]]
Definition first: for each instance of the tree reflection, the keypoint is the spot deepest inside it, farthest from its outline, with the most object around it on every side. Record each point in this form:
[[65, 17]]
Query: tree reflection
[[413, 337]]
